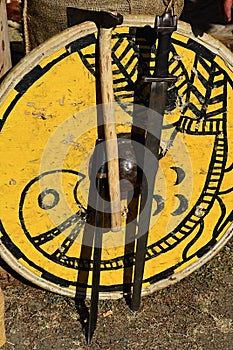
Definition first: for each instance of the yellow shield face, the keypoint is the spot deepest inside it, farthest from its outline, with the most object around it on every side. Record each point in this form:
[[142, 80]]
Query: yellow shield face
[[48, 132]]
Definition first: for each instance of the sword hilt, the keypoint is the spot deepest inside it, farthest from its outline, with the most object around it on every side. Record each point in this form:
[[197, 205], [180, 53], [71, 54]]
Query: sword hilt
[[165, 25]]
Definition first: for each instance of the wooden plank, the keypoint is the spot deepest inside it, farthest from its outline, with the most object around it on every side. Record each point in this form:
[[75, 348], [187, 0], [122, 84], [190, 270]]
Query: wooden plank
[[2, 327]]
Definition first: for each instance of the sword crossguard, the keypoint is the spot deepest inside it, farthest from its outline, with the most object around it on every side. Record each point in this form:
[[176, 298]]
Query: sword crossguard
[[169, 79]]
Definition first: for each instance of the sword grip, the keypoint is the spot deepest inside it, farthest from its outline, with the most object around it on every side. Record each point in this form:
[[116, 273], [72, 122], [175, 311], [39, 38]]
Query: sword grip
[[162, 56], [165, 25]]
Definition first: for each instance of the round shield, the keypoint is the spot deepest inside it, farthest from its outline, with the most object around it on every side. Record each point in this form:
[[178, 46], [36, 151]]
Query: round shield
[[48, 134]]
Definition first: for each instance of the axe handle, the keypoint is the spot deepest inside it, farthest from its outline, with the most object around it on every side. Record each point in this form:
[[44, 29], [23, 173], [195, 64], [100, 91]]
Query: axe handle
[[106, 81]]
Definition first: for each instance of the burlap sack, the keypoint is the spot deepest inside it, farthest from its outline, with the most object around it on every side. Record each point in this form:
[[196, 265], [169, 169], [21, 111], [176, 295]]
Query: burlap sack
[[5, 56], [2, 326], [45, 18]]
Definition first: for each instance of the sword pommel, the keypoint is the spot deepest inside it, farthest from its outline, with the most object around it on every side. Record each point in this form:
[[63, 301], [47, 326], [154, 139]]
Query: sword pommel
[[166, 24]]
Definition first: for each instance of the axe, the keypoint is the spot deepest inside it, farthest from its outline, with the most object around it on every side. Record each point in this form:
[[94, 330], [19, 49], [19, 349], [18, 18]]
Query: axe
[[105, 22]]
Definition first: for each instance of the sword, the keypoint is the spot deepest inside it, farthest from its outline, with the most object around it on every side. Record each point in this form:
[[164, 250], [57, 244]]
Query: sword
[[165, 25], [103, 154], [99, 179]]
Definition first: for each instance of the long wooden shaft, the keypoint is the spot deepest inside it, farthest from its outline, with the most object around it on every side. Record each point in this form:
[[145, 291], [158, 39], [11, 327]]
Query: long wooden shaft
[[2, 326], [106, 82]]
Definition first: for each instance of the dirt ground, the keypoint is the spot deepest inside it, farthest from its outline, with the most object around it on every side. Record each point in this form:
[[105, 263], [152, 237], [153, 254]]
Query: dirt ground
[[196, 313]]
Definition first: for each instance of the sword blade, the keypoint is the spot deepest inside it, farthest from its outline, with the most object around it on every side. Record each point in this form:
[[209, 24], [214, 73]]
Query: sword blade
[[98, 237], [152, 142], [165, 25], [99, 223]]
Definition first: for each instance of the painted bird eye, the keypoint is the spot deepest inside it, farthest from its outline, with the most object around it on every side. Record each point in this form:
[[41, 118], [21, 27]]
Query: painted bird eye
[[48, 199]]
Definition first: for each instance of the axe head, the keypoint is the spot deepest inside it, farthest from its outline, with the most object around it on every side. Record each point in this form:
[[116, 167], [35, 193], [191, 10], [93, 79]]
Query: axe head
[[100, 18]]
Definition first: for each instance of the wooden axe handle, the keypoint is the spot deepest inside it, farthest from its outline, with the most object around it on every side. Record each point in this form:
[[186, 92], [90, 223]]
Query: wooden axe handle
[[106, 81]]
